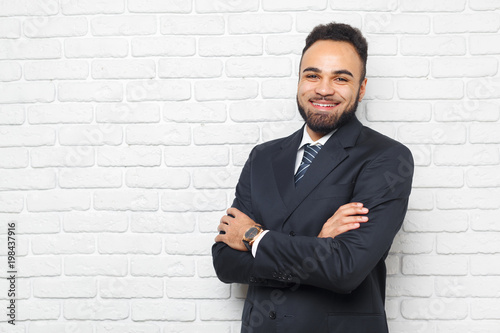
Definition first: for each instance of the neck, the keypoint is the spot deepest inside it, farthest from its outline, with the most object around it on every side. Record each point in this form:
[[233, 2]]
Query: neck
[[315, 136]]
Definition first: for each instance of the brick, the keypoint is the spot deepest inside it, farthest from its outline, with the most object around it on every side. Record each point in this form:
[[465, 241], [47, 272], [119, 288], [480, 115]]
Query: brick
[[130, 288], [379, 89], [436, 221], [196, 156], [259, 23], [434, 308], [484, 88], [126, 328], [30, 49], [90, 91], [127, 113], [468, 243], [199, 201], [12, 114], [95, 222], [133, 200], [27, 180], [391, 311], [95, 309], [159, 6], [93, 135], [162, 266], [230, 46], [13, 158], [431, 89], [64, 288], [208, 221], [96, 48], [466, 155], [226, 6], [236, 89], [223, 134], [43, 27], [294, 5], [41, 327], [24, 136], [129, 244], [10, 71], [409, 286], [79, 7], [155, 90], [39, 223], [159, 134], [62, 157], [205, 267], [189, 244], [62, 244], [38, 310], [215, 178], [464, 67], [468, 199], [57, 200], [387, 129], [467, 286], [210, 112], [398, 111], [39, 266], [221, 310], [220, 327], [438, 177], [275, 130], [281, 45], [60, 113], [432, 6], [261, 67], [263, 111], [192, 24], [189, 68], [164, 310], [29, 8], [382, 45], [27, 92], [421, 154], [484, 309], [483, 177], [484, 4], [393, 264], [397, 67], [123, 69], [129, 156], [432, 45], [279, 88], [473, 326], [412, 243], [96, 265], [123, 25], [163, 46], [435, 265], [433, 133], [189, 288], [466, 23], [396, 24], [482, 264], [240, 153], [306, 21], [421, 200], [472, 110], [157, 178], [484, 133]]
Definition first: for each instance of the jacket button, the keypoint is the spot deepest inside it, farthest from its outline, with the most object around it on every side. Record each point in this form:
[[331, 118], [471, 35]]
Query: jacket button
[[292, 233], [272, 315]]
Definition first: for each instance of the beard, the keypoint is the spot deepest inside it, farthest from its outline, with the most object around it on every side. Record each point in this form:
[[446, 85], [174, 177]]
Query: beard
[[325, 123]]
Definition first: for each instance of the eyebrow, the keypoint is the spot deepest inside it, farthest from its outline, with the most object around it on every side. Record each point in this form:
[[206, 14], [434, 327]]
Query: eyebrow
[[337, 72]]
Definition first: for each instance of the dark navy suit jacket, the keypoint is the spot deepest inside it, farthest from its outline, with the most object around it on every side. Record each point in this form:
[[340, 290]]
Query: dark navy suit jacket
[[301, 283]]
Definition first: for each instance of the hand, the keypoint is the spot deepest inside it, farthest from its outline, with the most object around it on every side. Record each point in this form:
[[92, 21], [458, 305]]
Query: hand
[[345, 218], [234, 228]]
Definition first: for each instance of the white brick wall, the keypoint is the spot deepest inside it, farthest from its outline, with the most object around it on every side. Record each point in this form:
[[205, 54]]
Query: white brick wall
[[124, 125]]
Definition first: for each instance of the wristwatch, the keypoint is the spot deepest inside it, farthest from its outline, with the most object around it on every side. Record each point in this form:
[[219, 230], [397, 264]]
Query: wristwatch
[[251, 235]]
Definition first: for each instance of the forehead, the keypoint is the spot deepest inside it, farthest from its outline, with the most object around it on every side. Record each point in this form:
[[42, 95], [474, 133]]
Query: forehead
[[328, 55]]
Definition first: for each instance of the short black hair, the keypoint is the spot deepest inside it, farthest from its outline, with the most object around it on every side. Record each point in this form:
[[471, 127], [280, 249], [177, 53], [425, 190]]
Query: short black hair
[[340, 32]]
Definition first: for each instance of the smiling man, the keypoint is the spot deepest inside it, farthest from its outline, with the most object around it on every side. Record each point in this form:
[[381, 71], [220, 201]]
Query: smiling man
[[315, 213]]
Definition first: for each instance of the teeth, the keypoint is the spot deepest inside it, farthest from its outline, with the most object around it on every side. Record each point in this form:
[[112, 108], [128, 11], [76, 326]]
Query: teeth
[[327, 105]]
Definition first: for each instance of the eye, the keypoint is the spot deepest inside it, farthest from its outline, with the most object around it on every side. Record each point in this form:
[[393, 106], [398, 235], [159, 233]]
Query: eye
[[341, 79], [311, 76]]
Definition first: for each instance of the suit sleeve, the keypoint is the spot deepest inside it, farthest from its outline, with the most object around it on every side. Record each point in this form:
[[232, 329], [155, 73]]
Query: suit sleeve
[[342, 263]]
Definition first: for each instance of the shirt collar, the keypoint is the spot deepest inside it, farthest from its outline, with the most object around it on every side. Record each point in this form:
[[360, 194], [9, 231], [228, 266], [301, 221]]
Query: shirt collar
[[306, 139]]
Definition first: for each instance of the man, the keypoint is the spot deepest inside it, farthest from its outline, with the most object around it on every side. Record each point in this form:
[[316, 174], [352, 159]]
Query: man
[[315, 213]]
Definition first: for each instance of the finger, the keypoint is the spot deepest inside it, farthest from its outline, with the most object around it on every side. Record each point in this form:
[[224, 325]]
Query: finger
[[219, 238], [221, 227], [353, 219], [225, 219], [354, 211], [233, 211]]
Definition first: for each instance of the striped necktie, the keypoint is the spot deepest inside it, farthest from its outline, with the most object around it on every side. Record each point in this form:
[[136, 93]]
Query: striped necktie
[[310, 153]]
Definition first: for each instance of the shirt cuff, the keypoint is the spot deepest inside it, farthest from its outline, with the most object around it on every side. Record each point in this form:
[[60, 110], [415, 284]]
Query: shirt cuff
[[256, 242]]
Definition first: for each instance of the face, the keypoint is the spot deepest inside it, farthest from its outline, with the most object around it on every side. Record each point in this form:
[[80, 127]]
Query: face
[[330, 86]]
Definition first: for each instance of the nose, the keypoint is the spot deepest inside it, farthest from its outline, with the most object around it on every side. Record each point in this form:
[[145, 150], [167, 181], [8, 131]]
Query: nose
[[325, 88]]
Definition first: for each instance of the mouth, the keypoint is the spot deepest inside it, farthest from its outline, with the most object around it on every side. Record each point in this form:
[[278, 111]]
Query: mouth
[[324, 105]]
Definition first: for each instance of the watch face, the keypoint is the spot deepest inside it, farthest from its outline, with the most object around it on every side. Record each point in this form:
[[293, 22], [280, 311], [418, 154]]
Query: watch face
[[251, 233]]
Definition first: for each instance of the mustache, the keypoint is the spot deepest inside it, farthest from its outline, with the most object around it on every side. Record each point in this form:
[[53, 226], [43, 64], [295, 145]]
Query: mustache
[[322, 98]]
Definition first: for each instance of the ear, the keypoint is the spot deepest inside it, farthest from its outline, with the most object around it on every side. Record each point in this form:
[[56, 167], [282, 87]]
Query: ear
[[362, 89]]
